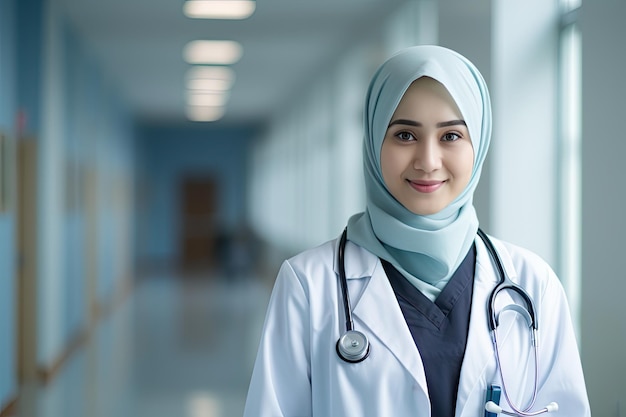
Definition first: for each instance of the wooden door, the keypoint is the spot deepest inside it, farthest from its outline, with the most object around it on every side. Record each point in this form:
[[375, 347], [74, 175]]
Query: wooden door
[[199, 226]]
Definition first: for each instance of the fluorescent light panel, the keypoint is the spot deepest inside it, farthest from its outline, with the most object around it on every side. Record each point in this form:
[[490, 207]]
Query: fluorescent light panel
[[208, 85], [204, 113], [211, 73], [212, 52], [219, 9], [206, 98], [207, 92]]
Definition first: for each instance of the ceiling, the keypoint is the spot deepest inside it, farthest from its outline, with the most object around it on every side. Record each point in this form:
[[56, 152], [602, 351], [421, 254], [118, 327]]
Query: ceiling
[[286, 43]]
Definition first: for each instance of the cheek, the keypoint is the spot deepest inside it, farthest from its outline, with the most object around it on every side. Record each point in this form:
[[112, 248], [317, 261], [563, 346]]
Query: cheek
[[465, 164], [393, 161]]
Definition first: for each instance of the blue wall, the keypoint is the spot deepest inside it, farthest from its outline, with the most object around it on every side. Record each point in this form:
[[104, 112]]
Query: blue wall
[[84, 128], [29, 59], [7, 218], [218, 153], [74, 113]]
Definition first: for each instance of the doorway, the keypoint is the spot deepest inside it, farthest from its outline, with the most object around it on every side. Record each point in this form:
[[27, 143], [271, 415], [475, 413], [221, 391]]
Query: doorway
[[199, 223]]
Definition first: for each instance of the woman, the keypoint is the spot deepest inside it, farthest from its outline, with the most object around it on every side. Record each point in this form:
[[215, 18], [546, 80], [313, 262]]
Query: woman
[[418, 277]]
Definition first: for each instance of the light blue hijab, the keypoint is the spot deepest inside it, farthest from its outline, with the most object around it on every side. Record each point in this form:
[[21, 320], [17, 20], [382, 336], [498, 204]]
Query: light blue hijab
[[427, 250]]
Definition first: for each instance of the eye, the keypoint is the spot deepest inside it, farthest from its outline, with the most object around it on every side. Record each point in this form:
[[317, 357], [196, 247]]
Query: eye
[[450, 137], [405, 136]]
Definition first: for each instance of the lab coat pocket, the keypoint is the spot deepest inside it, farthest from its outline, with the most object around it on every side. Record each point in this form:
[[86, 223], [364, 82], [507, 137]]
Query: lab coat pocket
[[377, 385]]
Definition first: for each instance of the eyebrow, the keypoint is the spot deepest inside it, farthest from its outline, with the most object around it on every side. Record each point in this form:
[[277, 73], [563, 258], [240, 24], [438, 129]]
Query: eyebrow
[[418, 124]]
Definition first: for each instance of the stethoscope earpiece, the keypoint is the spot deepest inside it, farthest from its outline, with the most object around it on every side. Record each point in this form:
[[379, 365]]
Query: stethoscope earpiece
[[353, 346]]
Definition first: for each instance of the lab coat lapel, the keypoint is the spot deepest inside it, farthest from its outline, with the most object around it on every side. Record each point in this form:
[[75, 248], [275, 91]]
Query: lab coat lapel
[[379, 314], [479, 367]]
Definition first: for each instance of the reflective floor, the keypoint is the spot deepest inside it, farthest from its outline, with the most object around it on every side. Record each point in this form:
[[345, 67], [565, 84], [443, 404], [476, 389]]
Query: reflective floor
[[177, 347]]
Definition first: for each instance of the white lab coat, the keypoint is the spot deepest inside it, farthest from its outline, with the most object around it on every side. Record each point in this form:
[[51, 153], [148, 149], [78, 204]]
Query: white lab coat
[[298, 373]]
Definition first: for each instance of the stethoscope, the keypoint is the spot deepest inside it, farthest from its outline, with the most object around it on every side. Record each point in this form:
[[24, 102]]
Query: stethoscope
[[353, 346]]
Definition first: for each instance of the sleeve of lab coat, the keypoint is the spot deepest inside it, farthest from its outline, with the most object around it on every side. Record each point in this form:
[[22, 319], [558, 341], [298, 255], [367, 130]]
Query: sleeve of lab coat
[[560, 370], [280, 383]]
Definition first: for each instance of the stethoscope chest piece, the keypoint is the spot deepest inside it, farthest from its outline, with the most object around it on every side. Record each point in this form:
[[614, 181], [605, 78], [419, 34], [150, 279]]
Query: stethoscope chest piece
[[353, 346]]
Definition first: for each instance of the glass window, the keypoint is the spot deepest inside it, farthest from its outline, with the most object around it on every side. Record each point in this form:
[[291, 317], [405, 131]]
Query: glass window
[[570, 163], [569, 5]]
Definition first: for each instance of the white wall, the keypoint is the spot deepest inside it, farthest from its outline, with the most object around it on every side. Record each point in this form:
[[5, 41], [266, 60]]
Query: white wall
[[524, 87], [604, 199]]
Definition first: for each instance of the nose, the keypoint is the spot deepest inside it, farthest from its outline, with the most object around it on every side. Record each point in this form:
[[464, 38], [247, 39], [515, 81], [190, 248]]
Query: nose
[[428, 155]]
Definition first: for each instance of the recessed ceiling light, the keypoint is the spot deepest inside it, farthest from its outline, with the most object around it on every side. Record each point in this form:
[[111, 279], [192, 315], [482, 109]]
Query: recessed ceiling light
[[219, 9], [212, 52], [208, 85], [211, 73], [204, 113], [206, 99]]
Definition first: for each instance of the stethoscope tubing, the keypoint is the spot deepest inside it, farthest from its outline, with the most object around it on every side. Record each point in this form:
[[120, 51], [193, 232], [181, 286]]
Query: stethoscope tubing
[[505, 284], [517, 411], [343, 281]]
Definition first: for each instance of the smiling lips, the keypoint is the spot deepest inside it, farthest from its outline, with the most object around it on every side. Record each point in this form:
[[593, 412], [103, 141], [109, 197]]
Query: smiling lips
[[424, 186]]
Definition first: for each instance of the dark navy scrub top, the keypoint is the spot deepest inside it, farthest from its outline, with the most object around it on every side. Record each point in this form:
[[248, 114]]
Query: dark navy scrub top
[[439, 329]]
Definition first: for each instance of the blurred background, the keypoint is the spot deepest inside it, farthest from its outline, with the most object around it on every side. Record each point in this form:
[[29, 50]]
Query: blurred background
[[160, 158]]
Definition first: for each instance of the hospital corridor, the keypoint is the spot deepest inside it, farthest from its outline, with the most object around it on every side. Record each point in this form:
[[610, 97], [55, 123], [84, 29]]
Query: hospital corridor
[[160, 160], [176, 346]]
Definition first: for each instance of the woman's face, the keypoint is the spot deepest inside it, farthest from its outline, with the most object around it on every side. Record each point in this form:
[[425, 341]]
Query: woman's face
[[427, 155]]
